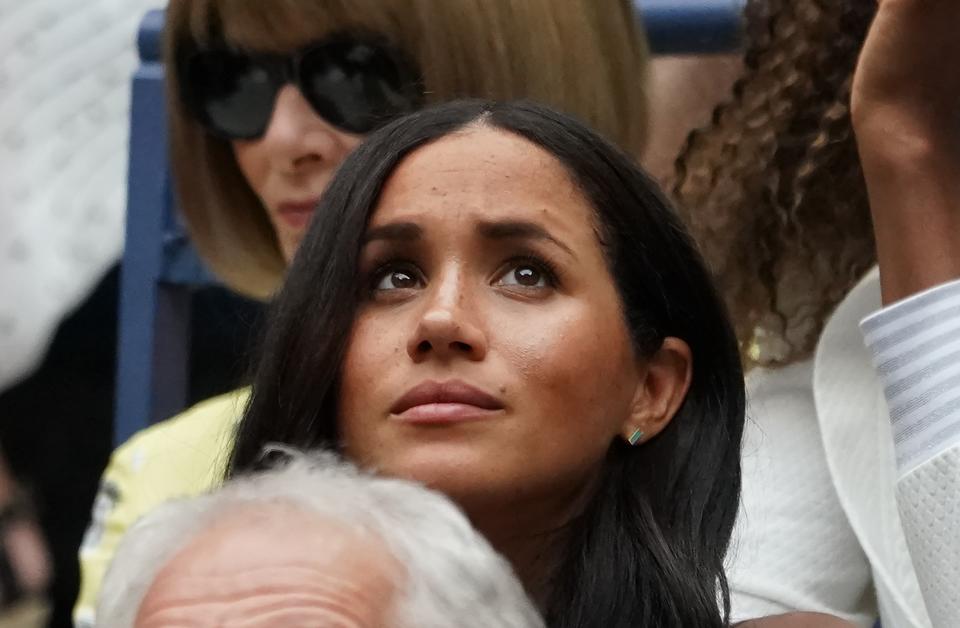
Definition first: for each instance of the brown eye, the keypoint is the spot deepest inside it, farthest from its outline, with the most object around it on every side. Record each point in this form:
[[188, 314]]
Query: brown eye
[[525, 275], [398, 279]]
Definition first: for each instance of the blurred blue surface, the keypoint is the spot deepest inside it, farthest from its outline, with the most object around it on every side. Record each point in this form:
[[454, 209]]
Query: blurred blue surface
[[691, 26]]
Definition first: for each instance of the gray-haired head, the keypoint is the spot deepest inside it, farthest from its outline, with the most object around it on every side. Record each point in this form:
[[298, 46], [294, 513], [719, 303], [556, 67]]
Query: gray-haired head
[[448, 574]]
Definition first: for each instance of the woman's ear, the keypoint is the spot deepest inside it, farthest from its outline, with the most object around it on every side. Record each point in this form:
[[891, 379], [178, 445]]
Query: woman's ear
[[661, 389]]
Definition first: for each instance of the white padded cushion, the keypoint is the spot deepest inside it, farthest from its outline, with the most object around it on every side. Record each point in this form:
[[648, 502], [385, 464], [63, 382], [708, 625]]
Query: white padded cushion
[[65, 69]]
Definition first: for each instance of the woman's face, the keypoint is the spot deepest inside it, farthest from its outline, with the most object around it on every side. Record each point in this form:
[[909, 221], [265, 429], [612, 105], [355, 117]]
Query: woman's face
[[490, 358], [289, 167]]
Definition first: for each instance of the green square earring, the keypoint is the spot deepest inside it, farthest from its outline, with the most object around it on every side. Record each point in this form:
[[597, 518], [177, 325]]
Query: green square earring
[[635, 437]]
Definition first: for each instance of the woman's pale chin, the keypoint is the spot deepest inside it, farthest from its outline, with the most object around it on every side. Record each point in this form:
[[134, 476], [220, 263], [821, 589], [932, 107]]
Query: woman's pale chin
[[289, 239], [290, 229]]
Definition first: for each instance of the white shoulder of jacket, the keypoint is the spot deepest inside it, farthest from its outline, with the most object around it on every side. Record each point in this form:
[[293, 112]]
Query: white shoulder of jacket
[[916, 350], [858, 444]]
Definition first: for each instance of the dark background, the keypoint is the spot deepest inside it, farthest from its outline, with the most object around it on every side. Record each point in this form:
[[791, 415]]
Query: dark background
[[56, 427]]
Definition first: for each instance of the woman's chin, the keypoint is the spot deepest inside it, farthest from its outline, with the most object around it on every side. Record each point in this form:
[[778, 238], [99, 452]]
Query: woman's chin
[[457, 470]]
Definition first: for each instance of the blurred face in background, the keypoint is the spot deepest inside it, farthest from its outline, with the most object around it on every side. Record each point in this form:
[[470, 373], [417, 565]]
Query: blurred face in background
[[290, 165], [292, 116]]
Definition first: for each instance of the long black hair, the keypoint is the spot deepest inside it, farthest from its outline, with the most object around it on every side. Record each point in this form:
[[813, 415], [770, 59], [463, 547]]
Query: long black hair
[[648, 549]]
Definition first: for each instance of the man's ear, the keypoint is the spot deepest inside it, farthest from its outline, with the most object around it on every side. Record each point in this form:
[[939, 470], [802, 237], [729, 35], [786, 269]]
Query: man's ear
[[664, 379]]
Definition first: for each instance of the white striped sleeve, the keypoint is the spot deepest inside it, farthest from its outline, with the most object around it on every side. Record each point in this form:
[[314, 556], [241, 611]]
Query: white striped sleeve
[[916, 350]]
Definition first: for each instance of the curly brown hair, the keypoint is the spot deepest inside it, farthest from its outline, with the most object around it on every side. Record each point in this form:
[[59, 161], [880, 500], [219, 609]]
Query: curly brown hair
[[773, 189]]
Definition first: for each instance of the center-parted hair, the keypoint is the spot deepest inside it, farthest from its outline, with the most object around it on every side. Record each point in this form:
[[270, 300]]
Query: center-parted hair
[[648, 548]]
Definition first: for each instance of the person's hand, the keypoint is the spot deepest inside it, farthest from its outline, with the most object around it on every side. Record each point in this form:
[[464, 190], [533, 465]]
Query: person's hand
[[906, 113]]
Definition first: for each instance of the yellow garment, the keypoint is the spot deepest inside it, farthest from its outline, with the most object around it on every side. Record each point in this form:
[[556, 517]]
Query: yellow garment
[[181, 457]]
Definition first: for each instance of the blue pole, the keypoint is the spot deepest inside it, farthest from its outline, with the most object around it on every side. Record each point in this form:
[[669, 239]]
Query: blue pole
[[154, 330]]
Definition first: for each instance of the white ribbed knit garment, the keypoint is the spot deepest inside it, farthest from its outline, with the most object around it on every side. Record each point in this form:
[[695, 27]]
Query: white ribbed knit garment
[[793, 548]]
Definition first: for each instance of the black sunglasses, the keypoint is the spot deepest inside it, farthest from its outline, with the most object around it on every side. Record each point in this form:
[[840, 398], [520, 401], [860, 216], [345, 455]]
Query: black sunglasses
[[354, 84]]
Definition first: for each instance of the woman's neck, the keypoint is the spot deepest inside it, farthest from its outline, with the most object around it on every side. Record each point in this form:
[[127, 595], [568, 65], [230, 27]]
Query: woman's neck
[[532, 535], [535, 557]]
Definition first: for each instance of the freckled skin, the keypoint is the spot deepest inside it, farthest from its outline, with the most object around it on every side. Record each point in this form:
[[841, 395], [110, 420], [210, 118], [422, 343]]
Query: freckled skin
[[559, 359], [274, 566]]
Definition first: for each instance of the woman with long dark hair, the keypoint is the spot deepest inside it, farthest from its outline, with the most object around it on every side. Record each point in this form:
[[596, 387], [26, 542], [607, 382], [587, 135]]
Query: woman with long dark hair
[[265, 99], [494, 301]]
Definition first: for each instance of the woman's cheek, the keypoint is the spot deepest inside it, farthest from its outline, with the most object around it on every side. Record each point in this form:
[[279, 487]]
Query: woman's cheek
[[371, 352], [374, 338], [554, 361]]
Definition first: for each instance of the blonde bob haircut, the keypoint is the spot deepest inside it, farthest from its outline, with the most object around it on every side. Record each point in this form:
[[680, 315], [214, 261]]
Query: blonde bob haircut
[[585, 57]]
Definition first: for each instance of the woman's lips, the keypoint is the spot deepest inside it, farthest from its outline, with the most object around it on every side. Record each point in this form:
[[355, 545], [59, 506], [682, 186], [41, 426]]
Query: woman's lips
[[445, 402], [297, 214]]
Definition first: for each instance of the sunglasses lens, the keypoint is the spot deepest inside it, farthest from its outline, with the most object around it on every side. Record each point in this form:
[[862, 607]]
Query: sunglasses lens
[[231, 94], [359, 87]]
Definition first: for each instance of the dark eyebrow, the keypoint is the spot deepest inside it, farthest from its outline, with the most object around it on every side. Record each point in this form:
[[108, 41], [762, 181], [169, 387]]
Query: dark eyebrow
[[520, 229], [397, 231]]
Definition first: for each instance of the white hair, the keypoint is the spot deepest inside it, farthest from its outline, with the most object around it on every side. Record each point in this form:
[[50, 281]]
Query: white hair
[[453, 576]]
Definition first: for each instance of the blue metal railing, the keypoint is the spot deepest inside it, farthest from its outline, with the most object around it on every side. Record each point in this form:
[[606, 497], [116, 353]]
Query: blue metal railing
[[691, 26]]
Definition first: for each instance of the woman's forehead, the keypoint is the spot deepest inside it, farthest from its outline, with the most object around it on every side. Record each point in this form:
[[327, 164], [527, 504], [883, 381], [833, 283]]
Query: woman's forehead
[[480, 157], [484, 174]]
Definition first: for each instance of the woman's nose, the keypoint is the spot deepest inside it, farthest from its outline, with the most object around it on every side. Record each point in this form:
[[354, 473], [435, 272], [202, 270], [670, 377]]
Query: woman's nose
[[299, 140], [448, 328]]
